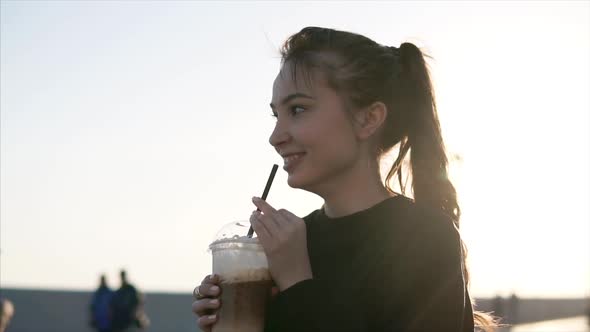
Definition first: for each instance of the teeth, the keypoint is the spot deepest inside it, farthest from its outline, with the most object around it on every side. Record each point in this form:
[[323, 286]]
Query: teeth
[[290, 158]]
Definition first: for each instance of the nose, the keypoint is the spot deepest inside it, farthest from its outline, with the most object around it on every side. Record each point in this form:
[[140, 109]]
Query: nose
[[279, 136]]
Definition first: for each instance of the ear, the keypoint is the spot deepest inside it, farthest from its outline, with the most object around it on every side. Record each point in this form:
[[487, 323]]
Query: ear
[[369, 119]]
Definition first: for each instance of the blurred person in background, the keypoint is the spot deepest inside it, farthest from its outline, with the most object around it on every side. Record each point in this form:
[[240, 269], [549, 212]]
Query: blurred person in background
[[127, 307], [100, 311]]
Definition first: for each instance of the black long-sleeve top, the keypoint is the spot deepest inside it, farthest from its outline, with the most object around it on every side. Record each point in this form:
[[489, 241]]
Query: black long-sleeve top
[[393, 267]]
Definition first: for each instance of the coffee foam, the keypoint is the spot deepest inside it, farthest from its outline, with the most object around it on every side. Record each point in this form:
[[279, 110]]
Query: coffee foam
[[236, 239], [239, 259]]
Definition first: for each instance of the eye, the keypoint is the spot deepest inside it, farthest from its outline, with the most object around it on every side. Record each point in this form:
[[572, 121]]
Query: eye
[[293, 110], [296, 109]]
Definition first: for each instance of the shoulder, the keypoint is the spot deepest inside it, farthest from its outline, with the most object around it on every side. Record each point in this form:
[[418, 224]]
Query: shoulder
[[426, 221], [127, 289], [423, 232], [105, 290]]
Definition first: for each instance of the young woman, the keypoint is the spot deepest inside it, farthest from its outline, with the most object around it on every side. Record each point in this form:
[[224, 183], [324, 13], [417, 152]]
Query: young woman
[[370, 259]]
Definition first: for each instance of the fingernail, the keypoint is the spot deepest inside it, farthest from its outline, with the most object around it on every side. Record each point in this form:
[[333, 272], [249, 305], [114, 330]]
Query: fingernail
[[215, 301], [212, 316], [215, 288]]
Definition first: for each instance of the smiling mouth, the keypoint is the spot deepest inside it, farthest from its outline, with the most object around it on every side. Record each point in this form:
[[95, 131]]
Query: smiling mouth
[[291, 160]]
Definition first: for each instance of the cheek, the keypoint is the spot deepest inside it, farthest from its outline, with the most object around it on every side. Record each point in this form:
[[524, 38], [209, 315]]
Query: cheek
[[334, 144]]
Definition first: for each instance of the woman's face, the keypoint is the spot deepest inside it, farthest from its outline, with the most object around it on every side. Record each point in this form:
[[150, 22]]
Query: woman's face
[[313, 132]]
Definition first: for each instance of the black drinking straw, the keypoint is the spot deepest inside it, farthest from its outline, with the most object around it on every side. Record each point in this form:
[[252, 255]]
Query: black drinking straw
[[266, 190]]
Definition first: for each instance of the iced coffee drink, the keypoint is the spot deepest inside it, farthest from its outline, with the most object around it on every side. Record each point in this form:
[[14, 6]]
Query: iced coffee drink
[[245, 284]]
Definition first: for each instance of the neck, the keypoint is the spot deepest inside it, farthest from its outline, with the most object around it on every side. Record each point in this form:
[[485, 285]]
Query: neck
[[355, 190]]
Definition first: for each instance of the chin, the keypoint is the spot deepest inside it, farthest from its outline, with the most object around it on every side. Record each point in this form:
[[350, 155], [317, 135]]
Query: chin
[[294, 182], [299, 181]]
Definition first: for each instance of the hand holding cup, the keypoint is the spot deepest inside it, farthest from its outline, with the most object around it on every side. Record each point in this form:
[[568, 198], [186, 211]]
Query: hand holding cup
[[207, 302]]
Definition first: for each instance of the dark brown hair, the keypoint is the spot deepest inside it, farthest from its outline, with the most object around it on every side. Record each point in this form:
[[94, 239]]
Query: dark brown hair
[[362, 72]]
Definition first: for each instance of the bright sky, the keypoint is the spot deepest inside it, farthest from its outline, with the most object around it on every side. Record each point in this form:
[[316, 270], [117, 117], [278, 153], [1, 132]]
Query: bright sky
[[132, 131]]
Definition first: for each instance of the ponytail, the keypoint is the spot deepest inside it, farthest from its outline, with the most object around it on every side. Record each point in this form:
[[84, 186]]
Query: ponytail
[[430, 182], [423, 139]]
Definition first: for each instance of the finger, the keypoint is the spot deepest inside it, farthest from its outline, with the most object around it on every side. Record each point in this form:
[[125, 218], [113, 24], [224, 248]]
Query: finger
[[206, 322], [259, 227], [270, 222], [263, 206], [273, 221], [206, 290], [211, 279], [202, 307]]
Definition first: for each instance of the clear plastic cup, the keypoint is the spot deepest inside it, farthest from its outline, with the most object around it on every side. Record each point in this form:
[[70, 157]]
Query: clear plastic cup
[[245, 279]]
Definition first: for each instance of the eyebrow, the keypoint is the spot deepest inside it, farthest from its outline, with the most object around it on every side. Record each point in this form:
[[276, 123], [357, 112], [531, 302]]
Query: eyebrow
[[291, 97]]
